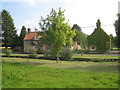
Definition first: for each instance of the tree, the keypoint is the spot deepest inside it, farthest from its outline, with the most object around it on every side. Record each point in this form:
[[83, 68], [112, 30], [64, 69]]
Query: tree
[[8, 28], [117, 30], [115, 41], [57, 33], [22, 35], [75, 26], [80, 37]]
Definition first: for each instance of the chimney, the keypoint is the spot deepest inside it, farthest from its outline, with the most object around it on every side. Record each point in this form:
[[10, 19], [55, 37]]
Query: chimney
[[29, 30]]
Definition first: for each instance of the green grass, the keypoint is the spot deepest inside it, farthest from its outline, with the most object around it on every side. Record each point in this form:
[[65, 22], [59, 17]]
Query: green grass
[[17, 73], [115, 48], [22, 55], [97, 56]]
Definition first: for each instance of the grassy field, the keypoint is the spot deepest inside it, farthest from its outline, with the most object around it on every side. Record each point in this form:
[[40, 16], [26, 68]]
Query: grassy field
[[97, 56], [18, 73], [39, 55]]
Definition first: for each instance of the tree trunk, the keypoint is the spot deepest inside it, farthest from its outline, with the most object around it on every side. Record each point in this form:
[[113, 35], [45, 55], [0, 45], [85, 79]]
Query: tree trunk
[[58, 59], [6, 47], [28, 58]]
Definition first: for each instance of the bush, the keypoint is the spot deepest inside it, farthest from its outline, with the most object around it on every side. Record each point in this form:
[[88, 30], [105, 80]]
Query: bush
[[7, 52], [50, 54], [81, 51], [46, 53], [33, 55], [66, 54], [16, 63], [40, 51]]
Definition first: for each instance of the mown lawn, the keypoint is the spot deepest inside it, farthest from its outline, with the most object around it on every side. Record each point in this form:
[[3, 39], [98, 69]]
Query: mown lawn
[[18, 73], [97, 56], [13, 54]]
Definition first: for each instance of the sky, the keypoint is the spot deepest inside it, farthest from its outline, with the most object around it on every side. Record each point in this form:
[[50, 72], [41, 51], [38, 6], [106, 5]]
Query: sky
[[82, 12]]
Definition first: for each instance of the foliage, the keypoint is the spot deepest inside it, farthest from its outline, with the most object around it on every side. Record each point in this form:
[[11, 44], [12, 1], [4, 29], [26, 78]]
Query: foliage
[[23, 32], [57, 33], [52, 53], [22, 35], [117, 29], [82, 51], [75, 26], [33, 54], [46, 53], [40, 51], [100, 39], [117, 25], [66, 54], [49, 54], [80, 37], [115, 49], [8, 52], [115, 41], [8, 28]]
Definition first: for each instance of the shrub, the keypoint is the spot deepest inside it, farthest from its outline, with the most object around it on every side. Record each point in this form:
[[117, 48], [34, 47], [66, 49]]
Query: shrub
[[40, 51], [49, 54], [16, 63], [8, 52], [33, 54], [81, 51], [46, 53], [81, 39], [66, 54]]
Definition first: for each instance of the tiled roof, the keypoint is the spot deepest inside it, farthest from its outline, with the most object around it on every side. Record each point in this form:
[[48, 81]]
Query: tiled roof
[[30, 36]]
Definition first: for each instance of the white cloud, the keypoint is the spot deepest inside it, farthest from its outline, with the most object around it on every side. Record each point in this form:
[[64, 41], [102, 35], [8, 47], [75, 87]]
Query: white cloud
[[31, 2], [86, 13], [30, 24]]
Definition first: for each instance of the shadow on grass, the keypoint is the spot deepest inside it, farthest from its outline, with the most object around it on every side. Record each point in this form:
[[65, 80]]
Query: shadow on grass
[[33, 63], [24, 63], [98, 68]]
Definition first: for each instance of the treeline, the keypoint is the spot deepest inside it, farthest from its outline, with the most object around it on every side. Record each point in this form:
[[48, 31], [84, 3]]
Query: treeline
[[10, 38]]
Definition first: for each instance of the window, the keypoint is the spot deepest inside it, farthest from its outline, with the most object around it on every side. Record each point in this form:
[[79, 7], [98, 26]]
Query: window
[[93, 48]]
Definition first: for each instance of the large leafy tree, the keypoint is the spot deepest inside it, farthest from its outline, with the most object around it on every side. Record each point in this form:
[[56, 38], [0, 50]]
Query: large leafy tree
[[57, 32], [8, 28], [22, 35], [80, 37], [117, 30]]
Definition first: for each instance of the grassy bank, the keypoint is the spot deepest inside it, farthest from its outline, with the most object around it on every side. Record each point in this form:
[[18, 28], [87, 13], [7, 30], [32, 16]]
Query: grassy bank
[[17, 73]]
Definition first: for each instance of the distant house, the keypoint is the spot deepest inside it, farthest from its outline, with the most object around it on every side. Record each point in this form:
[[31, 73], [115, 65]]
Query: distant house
[[99, 40], [31, 41], [75, 46]]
